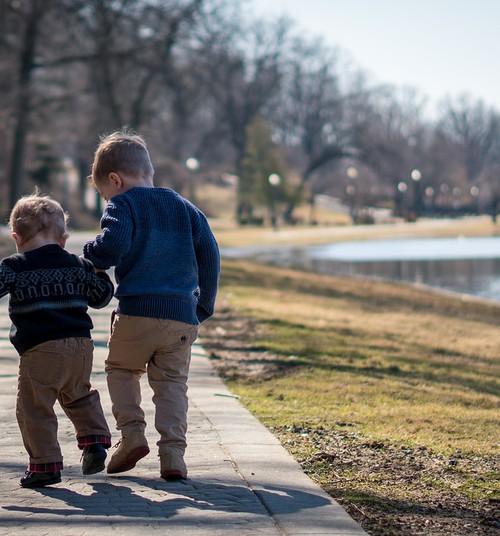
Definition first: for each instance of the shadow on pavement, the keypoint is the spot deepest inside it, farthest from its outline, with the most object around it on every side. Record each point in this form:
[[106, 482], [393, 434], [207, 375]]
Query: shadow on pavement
[[109, 499]]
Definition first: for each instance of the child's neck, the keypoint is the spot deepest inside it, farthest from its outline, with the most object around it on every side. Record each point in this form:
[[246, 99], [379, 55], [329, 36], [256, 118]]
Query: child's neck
[[141, 182], [36, 242]]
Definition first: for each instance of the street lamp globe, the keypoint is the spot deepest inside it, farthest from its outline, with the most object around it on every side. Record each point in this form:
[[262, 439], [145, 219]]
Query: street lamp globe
[[193, 164], [416, 175], [274, 179], [352, 172]]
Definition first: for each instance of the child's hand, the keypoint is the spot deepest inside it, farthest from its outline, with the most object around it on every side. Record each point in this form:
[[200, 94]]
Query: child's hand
[[97, 270]]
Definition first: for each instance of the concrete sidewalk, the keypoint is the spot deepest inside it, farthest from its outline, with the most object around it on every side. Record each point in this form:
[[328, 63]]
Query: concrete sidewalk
[[241, 480]]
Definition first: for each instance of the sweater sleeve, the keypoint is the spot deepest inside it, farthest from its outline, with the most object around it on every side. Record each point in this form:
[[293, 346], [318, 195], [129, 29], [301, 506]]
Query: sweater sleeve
[[208, 259], [7, 277], [115, 240], [100, 288]]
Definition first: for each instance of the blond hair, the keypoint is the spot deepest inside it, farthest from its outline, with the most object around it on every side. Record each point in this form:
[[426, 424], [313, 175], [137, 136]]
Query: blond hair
[[123, 151], [34, 214]]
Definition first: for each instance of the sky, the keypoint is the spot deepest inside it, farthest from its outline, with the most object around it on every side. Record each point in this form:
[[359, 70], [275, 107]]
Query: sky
[[442, 48]]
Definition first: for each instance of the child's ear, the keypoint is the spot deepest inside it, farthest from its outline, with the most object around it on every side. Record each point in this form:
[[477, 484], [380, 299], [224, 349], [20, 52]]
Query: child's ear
[[116, 179], [17, 239]]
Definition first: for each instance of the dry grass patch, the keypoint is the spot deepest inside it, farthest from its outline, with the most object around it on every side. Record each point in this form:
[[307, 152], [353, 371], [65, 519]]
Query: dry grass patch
[[229, 234], [353, 374]]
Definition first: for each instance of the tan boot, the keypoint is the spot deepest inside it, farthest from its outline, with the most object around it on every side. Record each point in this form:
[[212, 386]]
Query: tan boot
[[172, 465], [130, 450]]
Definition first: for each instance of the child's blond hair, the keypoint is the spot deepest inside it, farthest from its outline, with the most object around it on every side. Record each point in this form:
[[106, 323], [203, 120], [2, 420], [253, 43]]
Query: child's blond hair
[[123, 151], [34, 214]]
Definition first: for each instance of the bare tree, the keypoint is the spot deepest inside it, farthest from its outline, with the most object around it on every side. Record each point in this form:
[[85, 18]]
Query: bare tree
[[85, 68], [473, 128], [473, 131], [244, 75], [146, 72], [491, 176], [187, 120], [392, 139], [314, 116], [129, 46], [23, 23], [34, 34]]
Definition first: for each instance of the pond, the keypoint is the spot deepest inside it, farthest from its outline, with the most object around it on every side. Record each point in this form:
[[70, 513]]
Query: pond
[[464, 265]]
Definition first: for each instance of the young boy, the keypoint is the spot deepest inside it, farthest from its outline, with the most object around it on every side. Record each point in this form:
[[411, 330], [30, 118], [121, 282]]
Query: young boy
[[167, 268], [50, 290]]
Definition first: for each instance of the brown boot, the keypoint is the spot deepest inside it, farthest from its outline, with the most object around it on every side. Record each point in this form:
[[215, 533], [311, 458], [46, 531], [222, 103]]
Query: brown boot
[[172, 465], [130, 450]]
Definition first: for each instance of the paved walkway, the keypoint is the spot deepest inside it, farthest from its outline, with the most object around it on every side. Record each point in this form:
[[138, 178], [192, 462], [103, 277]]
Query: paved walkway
[[241, 480]]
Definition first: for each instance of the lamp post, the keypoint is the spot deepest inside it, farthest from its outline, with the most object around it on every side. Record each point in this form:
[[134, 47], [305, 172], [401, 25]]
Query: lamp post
[[400, 190], [444, 190], [416, 176], [352, 175], [474, 192], [457, 194], [274, 181], [429, 199], [193, 165]]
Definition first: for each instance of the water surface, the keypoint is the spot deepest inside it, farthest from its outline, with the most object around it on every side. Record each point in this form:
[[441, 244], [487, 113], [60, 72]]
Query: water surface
[[463, 265]]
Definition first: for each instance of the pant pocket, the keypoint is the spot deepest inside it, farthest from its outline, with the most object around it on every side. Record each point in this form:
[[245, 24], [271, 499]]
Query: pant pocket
[[176, 340], [42, 366]]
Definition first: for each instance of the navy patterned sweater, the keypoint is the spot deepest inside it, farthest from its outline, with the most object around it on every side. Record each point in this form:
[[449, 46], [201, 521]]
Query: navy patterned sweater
[[50, 291], [166, 258]]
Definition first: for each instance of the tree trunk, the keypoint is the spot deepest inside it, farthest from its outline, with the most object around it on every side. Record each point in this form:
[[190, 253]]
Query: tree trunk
[[23, 105]]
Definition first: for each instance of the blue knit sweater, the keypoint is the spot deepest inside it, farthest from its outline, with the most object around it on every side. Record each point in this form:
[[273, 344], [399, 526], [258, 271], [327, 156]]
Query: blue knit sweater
[[165, 256]]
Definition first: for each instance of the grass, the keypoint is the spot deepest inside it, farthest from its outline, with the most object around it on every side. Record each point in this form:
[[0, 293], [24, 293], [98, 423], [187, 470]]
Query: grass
[[386, 393], [372, 353]]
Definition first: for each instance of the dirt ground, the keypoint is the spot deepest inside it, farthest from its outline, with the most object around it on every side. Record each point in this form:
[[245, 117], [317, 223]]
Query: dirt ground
[[389, 489]]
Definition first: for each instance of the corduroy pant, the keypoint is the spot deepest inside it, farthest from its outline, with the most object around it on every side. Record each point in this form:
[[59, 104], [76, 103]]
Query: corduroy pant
[[162, 348], [57, 370]]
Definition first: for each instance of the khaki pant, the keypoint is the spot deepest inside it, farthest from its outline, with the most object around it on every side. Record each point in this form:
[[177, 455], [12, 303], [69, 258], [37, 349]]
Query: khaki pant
[[57, 370], [163, 349]]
